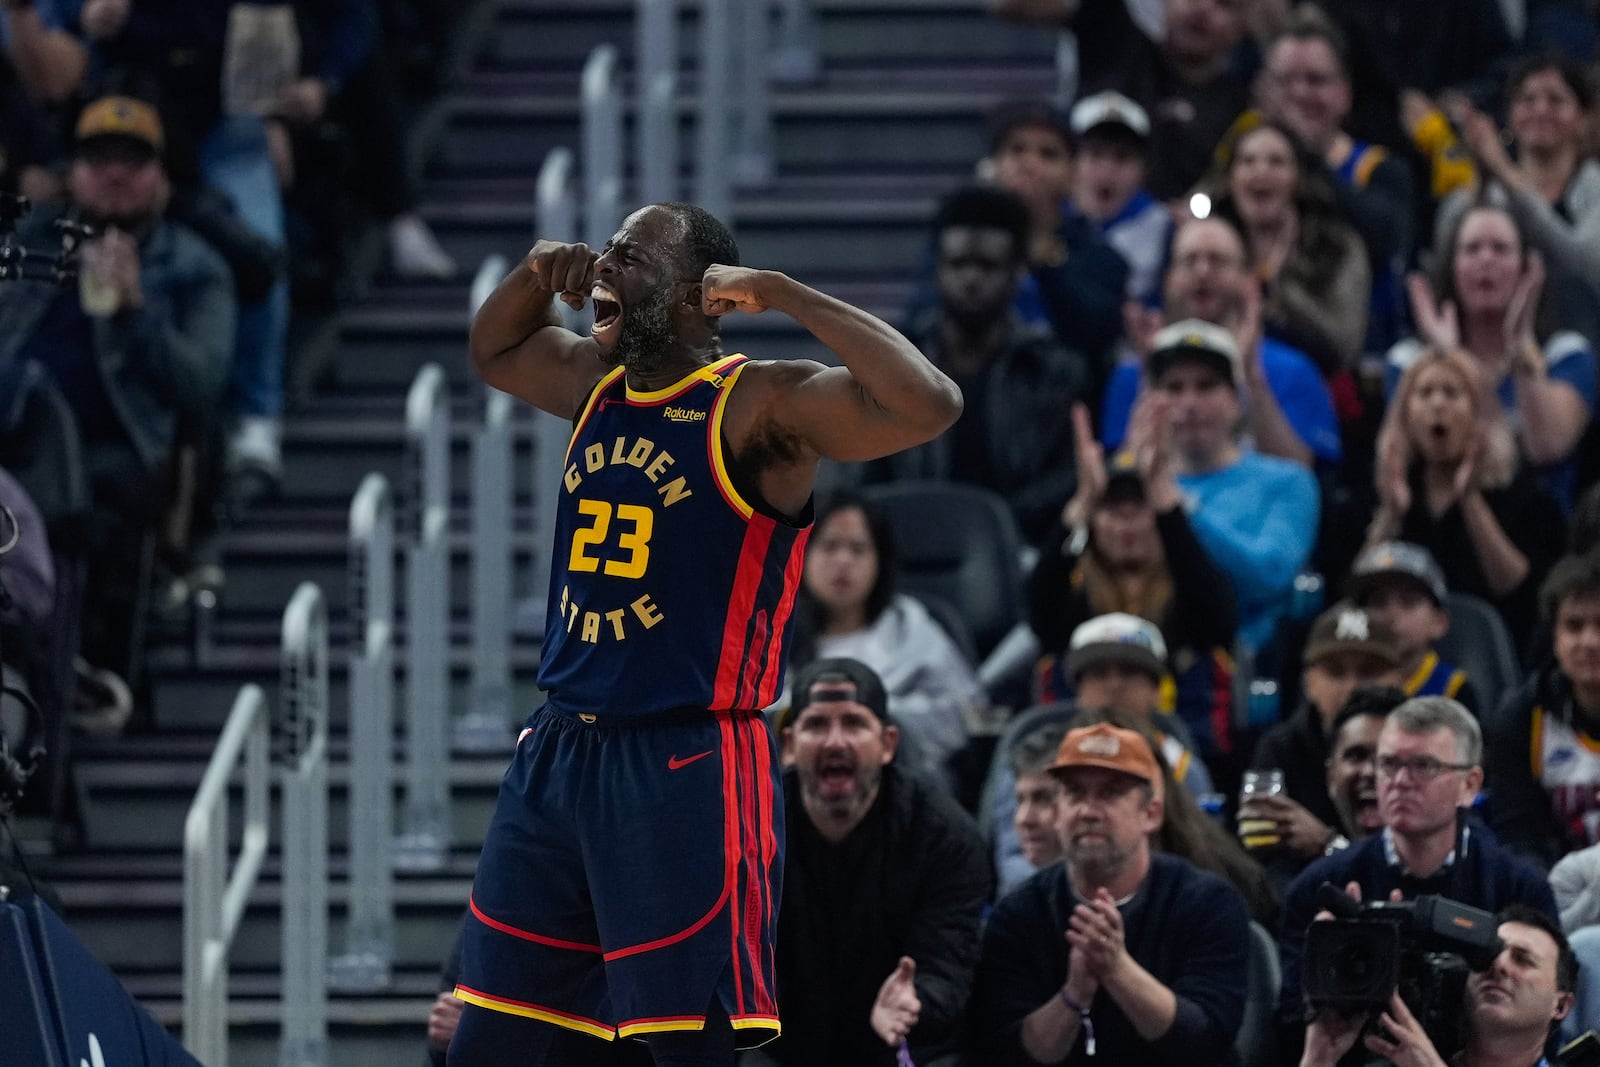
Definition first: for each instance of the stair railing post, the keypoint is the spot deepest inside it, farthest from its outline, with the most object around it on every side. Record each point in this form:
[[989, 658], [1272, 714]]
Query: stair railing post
[[425, 816], [655, 72], [713, 190], [798, 56], [601, 131], [555, 218], [212, 900], [752, 155], [302, 741], [486, 725], [367, 964]]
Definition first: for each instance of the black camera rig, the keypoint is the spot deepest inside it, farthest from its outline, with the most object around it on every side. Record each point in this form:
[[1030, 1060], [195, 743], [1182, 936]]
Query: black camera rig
[[18, 262]]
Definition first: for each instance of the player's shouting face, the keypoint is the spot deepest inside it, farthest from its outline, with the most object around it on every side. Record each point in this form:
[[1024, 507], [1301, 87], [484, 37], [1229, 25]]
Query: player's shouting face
[[638, 293]]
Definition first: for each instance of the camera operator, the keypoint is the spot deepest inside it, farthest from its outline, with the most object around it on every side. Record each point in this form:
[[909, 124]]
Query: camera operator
[[1511, 1008], [1428, 770]]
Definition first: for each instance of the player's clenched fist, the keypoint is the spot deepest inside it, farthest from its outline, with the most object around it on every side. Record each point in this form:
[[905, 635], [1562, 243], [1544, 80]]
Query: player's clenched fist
[[724, 289], [564, 269]]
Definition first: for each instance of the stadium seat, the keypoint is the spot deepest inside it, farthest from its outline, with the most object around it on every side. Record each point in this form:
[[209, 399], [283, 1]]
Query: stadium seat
[[1256, 1043], [958, 544], [1480, 644]]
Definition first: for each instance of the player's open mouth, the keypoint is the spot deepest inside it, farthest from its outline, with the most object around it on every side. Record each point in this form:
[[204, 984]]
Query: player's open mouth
[[607, 314]]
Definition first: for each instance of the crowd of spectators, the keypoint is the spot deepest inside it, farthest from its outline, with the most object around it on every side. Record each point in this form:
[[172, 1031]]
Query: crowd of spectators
[[1277, 337], [203, 159]]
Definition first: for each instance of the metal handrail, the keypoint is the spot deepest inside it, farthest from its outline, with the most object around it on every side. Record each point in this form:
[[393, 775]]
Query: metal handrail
[[368, 961], [752, 153], [602, 145], [213, 901], [655, 72], [303, 755], [425, 815], [797, 57], [486, 725], [713, 188]]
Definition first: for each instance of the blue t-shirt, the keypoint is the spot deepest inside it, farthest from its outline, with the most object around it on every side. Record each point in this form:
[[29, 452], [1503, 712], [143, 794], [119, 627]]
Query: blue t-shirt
[[1293, 379], [1257, 520], [1568, 358]]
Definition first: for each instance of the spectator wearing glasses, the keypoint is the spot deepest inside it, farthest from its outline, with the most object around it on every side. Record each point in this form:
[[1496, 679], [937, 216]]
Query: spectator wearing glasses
[[1429, 767]]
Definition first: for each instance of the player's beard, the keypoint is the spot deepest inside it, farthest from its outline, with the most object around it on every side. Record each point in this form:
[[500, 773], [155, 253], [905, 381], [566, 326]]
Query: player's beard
[[647, 334]]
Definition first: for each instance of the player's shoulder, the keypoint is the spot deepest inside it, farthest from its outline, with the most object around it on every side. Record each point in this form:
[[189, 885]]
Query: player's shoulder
[[762, 381]]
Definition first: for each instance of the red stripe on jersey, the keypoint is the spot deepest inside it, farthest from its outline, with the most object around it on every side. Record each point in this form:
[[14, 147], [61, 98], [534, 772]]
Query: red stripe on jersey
[[741, 603], [730, 840], [752, 662], [526, 935], [750, 902], [780, 619], [765, 850], [673, 939]]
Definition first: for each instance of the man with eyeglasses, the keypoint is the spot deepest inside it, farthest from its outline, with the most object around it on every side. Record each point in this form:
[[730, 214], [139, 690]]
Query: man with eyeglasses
[[1428, 769]]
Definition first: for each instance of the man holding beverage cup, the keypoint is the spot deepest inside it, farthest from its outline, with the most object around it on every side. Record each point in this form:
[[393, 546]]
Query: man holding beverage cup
[[1284, 803]]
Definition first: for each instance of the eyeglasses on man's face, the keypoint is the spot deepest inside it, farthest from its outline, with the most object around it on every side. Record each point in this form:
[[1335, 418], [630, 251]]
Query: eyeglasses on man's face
[[1422, 768]]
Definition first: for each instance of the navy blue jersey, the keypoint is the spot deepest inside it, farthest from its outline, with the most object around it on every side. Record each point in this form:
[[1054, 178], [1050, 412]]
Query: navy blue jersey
[[668, 588]]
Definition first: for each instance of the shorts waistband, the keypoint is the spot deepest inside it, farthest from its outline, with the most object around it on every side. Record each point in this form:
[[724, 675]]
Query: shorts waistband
[[668, 717]]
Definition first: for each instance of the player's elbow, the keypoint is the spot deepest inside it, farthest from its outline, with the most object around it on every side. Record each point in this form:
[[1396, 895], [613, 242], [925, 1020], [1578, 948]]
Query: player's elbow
[[941, 407]]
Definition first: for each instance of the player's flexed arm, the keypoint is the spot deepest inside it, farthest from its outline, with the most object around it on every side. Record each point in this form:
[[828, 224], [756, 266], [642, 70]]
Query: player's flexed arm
[[887, 396], [518, 343]]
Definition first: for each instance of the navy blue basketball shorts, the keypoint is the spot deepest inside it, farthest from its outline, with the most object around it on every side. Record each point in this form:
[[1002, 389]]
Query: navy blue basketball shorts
[[630, 874]]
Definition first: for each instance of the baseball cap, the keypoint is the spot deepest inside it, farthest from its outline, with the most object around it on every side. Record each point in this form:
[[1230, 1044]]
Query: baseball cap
[[842, 678], [1348, 627], [1198, 340], [124, 117], [1123, 478], [1397, 558], [1109, 109], [1111, 748], [1117, 637]]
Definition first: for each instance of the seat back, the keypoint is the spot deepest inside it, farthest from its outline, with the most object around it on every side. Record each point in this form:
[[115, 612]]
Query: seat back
[[1479, 643], [959, 544], [1256, 1042]]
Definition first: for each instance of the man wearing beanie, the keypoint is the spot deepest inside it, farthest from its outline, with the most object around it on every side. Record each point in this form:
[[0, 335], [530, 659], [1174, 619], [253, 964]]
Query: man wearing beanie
[[885, 881], [1117, 954]]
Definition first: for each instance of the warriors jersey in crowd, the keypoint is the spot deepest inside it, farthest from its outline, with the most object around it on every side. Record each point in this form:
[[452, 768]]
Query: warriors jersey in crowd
[[671, 587]]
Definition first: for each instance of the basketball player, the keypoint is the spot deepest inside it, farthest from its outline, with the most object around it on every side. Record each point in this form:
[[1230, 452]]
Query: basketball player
[[629, 883]]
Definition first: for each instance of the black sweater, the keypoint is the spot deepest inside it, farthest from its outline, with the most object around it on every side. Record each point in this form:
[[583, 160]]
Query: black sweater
[[1187, 927]]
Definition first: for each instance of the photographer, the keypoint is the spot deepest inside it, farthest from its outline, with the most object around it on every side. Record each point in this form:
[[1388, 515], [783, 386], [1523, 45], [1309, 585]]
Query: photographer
[[1428, 769], [1511, 1008]]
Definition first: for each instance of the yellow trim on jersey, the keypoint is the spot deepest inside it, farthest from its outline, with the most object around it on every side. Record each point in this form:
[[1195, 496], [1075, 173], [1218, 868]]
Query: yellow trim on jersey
[[1420, 675], [710, 370], [758, 1022], [1371, 156], [1457, 680], [719, 463], [588, 408], [603, 1032], [1536, 749], [664, 1026], [1585, 740]]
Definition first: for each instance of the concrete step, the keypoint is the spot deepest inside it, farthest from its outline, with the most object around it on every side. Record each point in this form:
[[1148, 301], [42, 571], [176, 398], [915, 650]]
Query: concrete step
[[140, 803], [881, 32], [811, 133]]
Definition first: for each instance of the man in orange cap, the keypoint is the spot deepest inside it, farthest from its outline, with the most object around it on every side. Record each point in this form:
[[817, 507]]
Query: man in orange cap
[[1116, 953]]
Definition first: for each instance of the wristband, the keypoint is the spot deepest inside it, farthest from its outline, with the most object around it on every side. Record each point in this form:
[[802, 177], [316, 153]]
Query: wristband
[[1083, 1017]]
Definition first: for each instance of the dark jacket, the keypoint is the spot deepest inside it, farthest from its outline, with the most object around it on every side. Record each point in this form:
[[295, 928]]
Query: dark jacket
[[164, 361], [1487, 877], [910, 880], [1298, 746], [1187, 927], [1024, 419]]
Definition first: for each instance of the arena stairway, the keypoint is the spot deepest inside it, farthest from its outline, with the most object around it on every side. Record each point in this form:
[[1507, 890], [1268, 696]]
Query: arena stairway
[[897, 116]]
